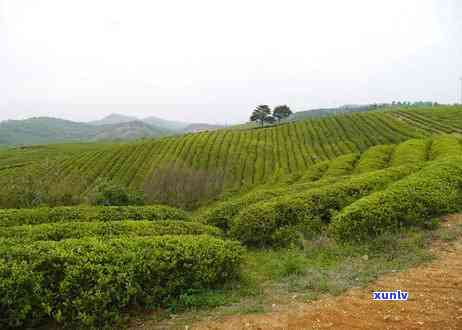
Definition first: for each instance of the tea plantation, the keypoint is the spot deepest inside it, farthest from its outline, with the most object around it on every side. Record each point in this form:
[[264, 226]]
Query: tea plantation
[[191, 170], [351, 178]]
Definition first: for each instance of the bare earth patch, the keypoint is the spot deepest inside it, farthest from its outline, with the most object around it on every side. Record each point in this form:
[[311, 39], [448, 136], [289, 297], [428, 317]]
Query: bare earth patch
[[435, 301]]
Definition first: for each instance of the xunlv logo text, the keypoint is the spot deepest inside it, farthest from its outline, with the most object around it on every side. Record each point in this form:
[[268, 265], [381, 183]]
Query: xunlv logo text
[[391, 295]]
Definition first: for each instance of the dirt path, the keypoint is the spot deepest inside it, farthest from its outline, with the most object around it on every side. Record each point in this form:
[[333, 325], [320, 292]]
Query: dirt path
[[435, 302]]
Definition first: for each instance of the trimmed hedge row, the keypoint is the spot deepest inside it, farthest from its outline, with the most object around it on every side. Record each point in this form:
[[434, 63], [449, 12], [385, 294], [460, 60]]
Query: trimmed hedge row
[[374, 159], [413, 151], [86, 283], [342, 165], [271, 223], [61, 231], [445, 146], [17, 217], [316, 171], [435, 190], [222, 214]]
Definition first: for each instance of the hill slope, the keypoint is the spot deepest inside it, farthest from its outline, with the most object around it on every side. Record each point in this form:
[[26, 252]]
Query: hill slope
[[113, 119], [45, 130], [191, 169], [172, 125]]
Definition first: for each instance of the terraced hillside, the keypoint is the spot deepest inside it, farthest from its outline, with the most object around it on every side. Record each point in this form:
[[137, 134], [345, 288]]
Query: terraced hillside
[[27, 155], [190, 169], [112, 258], [353, 197]]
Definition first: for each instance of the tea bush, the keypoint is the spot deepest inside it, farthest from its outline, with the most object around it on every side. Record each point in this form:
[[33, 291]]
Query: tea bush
[[222, 214], [412, 151], [109, 193], [86, 283], [374, 159], [17, 217], [315, 172], [342, 165], [445, 146], [61, 231], [258, 224], [433, 191]]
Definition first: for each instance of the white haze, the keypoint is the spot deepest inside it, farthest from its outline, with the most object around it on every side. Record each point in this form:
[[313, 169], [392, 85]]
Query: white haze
[[213, 61]]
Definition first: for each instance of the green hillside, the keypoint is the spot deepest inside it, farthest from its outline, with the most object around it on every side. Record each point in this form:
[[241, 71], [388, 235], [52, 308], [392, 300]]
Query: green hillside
[[266, 215], [44, 130], [191, 169]]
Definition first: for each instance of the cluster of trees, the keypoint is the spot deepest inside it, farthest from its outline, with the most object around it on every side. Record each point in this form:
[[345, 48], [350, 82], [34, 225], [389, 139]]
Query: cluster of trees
[[404, 104], [263, 114]]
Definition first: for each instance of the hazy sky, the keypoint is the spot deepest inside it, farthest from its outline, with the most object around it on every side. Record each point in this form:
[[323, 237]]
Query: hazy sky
[[213, 61]]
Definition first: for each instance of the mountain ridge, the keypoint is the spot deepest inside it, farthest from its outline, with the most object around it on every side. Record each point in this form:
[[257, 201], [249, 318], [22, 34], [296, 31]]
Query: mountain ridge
[[44, 130]]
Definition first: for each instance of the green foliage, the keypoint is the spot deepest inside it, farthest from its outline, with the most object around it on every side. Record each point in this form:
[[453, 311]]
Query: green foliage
[[195, 299], [86, 283], [342, 165], [222, 213], [445, 146], [261, 114], [281, 112], [415, 200], [316, 171], [40, 184], [375, 158], [410, 152], [68, 230], [109, 193], [259, 224], [293, 263], [17, 217]]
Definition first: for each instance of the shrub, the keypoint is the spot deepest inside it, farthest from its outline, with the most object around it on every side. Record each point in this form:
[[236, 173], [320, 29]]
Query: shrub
[[17, 217], [86, 283], [342, 165], [110, 193], [61, 231], [445, 146], [433, 191], [39, 184], [374, 159], [180, 185], [413, 151], [222, 213], [315, 172], [258, 225]]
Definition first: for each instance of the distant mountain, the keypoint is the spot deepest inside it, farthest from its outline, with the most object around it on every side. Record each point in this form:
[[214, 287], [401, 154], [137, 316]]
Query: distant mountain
[[44, 130], [168, 124], [171, 125], [129, 131], [114, 119]]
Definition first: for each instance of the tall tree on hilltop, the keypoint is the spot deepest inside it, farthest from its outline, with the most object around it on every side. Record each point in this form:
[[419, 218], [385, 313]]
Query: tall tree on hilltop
[[281, 112], [261, 114]]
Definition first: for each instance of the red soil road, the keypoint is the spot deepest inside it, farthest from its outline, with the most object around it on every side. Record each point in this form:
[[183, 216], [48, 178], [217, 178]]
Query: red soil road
[[435, 302]]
